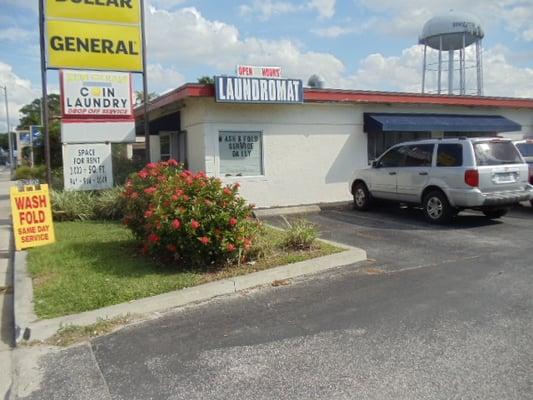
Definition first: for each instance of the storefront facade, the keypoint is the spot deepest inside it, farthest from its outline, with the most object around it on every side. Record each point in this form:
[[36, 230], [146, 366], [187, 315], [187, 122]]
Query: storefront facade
[[294, 154]]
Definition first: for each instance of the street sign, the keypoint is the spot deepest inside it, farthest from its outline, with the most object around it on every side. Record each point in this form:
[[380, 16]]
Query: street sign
[[32, 216], [87, 166], [93, 94], [88, 45], [123, 11]]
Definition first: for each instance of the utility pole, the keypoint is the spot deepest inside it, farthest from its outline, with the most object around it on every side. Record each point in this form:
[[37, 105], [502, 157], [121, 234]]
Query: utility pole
[[9, 138]]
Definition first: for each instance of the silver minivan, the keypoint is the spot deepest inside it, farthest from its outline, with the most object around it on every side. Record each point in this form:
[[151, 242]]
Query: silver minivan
[[446, 176]]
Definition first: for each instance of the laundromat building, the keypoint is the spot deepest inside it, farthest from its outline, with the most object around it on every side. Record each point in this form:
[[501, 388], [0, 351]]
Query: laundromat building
[[300, 145]]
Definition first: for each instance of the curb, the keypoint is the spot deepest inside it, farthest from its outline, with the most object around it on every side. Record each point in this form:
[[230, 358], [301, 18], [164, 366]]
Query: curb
[[29, 327], [277, 211]]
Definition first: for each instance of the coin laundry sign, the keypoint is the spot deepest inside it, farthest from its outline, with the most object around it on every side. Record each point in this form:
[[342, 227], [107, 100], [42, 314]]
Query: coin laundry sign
[[231, 89], [96, 94]]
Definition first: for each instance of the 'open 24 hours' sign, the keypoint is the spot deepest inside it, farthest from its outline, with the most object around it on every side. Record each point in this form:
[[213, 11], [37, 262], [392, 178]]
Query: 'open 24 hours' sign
[[94, 34], [32, 217]]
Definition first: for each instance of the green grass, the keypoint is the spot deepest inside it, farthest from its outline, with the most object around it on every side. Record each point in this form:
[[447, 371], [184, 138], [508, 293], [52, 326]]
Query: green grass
[[96, 264]]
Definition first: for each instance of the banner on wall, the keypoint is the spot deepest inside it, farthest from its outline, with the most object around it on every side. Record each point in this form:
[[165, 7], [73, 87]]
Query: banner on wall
[[234, 89]]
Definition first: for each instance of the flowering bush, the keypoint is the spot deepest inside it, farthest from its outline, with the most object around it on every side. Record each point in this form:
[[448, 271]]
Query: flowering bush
[[191, 217]]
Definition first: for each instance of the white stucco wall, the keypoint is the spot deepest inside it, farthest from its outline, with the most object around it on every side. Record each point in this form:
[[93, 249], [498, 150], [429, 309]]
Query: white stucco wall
[[309, 151]]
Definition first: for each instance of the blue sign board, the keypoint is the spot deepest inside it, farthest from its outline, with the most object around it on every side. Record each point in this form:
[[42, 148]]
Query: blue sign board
[[233, 89]]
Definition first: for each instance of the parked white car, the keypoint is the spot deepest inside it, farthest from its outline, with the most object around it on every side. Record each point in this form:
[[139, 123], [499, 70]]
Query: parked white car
[[446, 176], [525, 147]]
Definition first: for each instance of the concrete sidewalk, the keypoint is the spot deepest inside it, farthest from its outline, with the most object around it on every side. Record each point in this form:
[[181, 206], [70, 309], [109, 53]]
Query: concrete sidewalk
[[6, 286]]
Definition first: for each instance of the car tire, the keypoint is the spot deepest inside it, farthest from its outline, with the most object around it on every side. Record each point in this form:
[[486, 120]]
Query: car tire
[[495, 213], [362, 199], [437, 208]]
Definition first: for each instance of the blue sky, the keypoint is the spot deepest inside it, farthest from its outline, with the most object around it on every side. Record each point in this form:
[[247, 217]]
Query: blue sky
[[352, 44]]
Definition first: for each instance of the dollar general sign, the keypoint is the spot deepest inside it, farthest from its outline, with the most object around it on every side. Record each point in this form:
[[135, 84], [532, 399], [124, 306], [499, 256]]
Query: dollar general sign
[[94, 34]]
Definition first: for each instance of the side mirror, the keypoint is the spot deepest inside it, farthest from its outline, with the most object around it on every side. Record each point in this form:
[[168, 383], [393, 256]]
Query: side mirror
[[374, 164]]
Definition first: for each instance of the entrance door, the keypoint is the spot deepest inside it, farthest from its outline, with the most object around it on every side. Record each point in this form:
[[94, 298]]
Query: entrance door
[[165, 146]]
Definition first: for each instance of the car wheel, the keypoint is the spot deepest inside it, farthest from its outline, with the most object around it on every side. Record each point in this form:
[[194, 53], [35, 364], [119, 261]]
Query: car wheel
[[361, 197], [495, 213], [437, 209]]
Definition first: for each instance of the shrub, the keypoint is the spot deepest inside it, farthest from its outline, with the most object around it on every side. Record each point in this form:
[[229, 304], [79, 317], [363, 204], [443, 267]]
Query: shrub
[[300, 235], [109, 204], [87, 205], [26, 172], [72, 206], [190, 217]]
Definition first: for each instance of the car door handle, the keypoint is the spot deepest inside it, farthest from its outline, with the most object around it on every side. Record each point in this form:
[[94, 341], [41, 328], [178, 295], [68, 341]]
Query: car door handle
[[392, 173], [422, 173]]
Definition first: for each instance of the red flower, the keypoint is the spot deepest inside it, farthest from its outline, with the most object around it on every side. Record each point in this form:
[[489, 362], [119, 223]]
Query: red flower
[[150, 190], [172, 248], [153, 238], [227, 191], [208, 203], [230, 247], [236, 186], [151, 165], [186, 198], [204, 239], [179, 192], [233, 221], [143, 174], [195, 224], [247, 243], [175, 197], [134, 195], [176, 224], [148, 214], [172, 163]]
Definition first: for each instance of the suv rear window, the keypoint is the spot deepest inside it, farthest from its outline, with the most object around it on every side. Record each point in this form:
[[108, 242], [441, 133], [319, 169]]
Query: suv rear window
[[526, 149], [450, 155], [496, 153]]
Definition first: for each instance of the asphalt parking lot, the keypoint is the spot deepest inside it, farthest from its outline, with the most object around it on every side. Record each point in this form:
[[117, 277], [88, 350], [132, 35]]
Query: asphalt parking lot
[[396, 238], [437, 313]]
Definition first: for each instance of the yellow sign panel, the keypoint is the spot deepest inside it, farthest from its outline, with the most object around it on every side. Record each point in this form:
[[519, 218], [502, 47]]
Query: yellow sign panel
[[89, 45], [32, 217], [123, 11]]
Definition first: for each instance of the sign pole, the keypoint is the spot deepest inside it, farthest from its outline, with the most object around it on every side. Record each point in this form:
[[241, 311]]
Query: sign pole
[[44, 101], [145, 90]]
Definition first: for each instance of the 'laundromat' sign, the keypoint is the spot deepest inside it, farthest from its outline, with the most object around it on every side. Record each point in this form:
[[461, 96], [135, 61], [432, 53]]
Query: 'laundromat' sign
[[231, 89]]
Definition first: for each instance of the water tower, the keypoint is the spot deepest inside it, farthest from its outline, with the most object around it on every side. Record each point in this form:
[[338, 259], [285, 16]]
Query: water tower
[[443, 36]]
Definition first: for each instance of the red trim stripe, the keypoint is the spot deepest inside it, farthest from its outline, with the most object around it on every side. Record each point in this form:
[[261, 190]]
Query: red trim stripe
[[190, 90]]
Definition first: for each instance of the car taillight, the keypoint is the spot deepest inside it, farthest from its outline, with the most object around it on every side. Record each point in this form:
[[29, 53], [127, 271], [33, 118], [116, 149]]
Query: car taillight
[[472, 177], [531, 175]]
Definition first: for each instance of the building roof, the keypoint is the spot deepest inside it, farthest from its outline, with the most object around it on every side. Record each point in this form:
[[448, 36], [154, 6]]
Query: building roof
[[312, 95]]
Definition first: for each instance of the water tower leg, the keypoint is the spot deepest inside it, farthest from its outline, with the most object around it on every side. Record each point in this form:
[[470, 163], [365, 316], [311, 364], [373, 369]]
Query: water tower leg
[[450, 71], [462, 67], [479, 64], [439, 84], [424, 63]]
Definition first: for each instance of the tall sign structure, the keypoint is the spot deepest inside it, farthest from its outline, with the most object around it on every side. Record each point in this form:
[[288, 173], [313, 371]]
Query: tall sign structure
[[98, 36]]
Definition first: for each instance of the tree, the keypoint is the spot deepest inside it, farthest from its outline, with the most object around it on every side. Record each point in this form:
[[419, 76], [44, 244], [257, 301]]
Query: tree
[[206, 80], [139, 97], [31, 115]]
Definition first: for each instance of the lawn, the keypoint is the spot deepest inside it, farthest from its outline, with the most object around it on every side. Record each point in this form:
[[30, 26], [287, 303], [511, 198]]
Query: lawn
[[96, 264]]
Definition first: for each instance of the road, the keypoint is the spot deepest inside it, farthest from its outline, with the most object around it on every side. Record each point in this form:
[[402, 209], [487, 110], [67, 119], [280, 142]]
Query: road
[[437, 313]]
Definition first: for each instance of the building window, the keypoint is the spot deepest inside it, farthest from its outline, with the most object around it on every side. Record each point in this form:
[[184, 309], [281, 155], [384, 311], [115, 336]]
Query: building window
[[241, 153], [164, 145]]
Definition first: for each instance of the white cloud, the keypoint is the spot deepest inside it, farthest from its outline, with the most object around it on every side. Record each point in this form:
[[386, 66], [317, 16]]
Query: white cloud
[[15, 34], [161, 79], [325, 8], [334, 31], [198, 41], [265, 9], [403, 73], [20, 92], [407, 17]]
